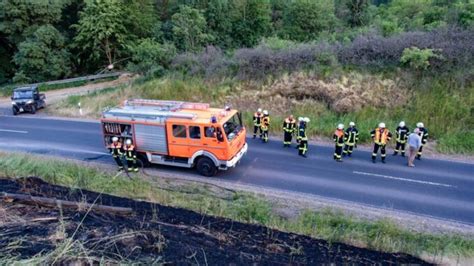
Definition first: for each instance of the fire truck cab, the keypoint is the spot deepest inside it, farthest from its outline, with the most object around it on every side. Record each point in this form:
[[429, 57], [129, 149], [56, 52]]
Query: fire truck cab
[[179, 133]]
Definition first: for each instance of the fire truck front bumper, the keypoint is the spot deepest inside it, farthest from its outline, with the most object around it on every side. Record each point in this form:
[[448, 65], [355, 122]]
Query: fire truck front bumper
[[224, 165]]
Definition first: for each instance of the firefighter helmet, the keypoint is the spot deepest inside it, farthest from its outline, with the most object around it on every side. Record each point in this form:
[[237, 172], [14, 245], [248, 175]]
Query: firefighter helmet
[[352, 124], [300, 119], [128, 142], [340, 126], [420, 125], [265, 112], [382, 125], [259, 110], [402, 124], [114, 139]]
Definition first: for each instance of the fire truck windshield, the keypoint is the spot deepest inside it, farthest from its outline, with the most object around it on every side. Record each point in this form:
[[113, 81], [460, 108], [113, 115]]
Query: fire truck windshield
[[233, 126]]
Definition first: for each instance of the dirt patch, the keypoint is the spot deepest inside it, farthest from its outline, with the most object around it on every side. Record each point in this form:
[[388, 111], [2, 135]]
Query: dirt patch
[[156, 233], [344, 94]]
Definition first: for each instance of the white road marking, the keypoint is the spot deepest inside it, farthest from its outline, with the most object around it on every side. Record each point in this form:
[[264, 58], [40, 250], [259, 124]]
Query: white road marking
[[404, 179], [14, 131]]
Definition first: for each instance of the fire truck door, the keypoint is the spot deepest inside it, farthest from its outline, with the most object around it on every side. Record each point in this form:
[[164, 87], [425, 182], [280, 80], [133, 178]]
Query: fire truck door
[[178, 140], [211, 143]]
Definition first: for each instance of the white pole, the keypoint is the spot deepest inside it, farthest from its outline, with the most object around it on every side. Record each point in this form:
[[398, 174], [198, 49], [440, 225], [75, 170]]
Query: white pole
[[80, 109]]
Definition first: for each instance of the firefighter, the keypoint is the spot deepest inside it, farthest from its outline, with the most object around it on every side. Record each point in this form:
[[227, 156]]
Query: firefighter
[[302, 137], [257, 120], [297, 131], [289, 127], [265, 126], [351, 136], [423, 132], [381, 136], [130, 156], [115, 149], [339, 141], [402, 136]]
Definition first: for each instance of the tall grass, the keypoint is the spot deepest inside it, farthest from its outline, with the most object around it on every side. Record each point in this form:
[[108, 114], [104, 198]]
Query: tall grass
[[328, 224]]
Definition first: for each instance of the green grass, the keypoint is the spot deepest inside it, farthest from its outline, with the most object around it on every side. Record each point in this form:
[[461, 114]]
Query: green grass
[[328, 224]]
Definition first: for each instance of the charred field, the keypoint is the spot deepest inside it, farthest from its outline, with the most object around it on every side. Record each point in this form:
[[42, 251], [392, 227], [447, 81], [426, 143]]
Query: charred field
[[152, 233]]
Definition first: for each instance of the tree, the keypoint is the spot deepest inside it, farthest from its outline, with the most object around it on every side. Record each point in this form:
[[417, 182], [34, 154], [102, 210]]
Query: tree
[[305, 19], [18, 19], [42, 56], [151, 57], [189, 29], [219, 22], [418, 59], [466, 14], [251, 21], [101, 31], [358, 12]]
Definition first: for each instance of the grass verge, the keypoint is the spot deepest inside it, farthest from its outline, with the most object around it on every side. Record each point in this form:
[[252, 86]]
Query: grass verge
[[334, 226]]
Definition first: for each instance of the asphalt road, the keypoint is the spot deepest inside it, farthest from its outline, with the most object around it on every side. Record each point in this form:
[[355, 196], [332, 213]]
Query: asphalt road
[[435, 188]]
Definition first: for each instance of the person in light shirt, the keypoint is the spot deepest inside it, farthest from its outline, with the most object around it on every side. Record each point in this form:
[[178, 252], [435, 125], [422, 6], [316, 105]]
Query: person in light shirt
[[414, 143]]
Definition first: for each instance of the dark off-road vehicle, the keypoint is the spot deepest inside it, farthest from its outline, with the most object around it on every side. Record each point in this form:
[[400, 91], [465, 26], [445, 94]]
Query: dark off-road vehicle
[[27, 99]]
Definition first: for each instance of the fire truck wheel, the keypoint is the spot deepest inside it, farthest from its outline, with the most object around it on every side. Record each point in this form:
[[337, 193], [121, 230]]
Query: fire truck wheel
[[143, 160], [206, 167]]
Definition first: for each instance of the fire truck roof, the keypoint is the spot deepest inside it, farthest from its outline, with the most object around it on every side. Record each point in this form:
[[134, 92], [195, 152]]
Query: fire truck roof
[[158, 111]]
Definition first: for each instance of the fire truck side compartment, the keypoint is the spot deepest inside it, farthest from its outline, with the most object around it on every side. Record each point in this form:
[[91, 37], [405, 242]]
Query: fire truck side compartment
[[151, 138]]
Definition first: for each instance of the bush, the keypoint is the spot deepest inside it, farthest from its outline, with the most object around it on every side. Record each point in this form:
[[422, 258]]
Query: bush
[[42, 56], [418, 59], [371, 51], [150, 57], [379, 52]]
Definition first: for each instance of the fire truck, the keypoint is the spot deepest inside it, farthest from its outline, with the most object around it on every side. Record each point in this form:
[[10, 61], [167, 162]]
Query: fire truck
[[177, 133]]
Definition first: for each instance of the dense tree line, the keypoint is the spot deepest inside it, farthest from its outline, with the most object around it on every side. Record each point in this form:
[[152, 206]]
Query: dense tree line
[[50, 39]]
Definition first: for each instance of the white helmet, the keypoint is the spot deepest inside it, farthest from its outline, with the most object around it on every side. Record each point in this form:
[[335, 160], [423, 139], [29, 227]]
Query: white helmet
[[382, 125], [420, 125], [340, 126], [300, 119], [114, 139], [128, 142], [259, 110], [265, 112], [402, 124], [352, 124], [306, 119]]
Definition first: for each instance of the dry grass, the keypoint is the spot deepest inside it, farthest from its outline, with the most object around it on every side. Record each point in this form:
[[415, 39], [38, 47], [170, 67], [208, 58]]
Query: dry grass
[[346, 93]]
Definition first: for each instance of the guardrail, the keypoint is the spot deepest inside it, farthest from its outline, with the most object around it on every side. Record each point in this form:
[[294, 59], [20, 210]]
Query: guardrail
[[84, 78]]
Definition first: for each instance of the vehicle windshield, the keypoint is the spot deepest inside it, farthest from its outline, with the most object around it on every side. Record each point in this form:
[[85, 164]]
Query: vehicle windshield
[[22, 94], [233, 126]]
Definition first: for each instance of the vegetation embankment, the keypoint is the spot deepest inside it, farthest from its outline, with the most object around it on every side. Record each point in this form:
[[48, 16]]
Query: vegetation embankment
[[331, 225]]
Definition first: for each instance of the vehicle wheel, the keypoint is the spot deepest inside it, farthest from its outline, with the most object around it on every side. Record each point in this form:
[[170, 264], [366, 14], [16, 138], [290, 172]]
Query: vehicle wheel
[[15, 112], [143, 159], [206, 167], [33, 109]]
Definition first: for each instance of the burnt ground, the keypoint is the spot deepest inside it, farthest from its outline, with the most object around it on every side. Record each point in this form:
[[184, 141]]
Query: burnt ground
[[156, 233]]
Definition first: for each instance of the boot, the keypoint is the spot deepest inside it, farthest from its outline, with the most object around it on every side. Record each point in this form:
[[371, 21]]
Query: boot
[[373, 160]]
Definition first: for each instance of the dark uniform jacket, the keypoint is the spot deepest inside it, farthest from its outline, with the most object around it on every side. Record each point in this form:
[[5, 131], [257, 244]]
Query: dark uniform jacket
[[402, 134], [351, 135]]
